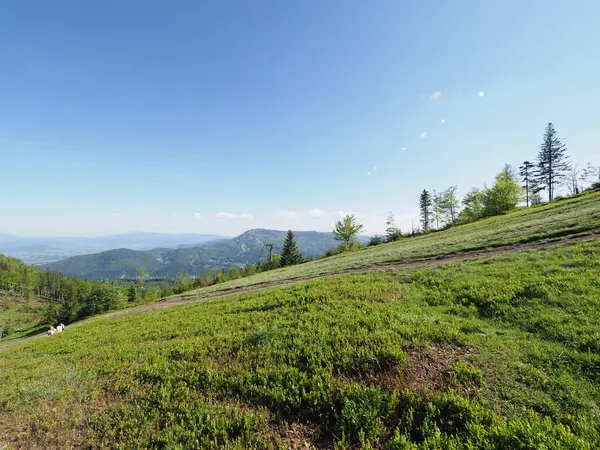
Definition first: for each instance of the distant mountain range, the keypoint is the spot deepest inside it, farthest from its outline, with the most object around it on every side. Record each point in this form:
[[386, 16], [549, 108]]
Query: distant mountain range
[[167, 263], [37, 250]]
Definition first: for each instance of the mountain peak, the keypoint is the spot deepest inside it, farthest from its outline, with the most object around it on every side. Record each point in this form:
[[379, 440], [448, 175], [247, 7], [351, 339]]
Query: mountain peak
[[248, 247]]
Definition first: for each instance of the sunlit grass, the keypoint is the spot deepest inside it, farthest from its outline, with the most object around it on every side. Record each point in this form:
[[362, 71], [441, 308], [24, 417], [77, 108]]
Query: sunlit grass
[[502, 352], [569, 217]]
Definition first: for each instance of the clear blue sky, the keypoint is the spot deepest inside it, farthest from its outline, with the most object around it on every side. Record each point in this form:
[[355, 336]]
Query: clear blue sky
[[219, 116]]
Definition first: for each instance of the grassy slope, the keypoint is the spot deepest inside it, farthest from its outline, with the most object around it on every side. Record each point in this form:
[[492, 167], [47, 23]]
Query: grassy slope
[[19, 316], [498, 353], [572, 216]]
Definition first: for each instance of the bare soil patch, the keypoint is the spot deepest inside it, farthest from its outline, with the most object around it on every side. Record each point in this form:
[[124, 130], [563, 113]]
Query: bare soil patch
[[304, 436], [428, 368], [426, 372]]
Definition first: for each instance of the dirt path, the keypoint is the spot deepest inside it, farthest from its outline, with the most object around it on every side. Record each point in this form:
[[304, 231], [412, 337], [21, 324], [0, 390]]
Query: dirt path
[[437, 261]]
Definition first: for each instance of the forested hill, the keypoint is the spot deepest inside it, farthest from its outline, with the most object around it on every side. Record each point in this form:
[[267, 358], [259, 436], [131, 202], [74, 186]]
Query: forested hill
[[112, 264], [30, 297], [249, 247]]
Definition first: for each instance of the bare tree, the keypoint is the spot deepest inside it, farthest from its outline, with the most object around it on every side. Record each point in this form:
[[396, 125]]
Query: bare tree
[[141, 275], [571, 179], [592, 172], [392, 232]]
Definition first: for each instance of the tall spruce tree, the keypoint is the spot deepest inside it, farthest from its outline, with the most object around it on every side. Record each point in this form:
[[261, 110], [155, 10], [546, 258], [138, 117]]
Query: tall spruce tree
[[552, 161], [425, 203], [290, 254], [527, 171], [132, 294]]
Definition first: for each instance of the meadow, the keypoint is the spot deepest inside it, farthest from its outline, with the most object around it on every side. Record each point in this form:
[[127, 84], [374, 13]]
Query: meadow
[[19, 316], [569, 217], [500, 352]]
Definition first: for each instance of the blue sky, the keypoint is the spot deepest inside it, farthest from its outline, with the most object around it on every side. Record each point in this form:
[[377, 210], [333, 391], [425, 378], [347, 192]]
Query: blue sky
[[219, 116]]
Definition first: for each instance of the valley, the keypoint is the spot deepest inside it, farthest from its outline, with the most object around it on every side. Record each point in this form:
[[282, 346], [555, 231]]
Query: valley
[[43, 250], [248, 248]]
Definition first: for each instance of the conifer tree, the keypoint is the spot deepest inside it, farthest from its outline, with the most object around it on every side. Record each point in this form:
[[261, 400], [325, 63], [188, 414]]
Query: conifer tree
[[526, 170], [132, 293], [552, 163], [425, 203], [290, 254]]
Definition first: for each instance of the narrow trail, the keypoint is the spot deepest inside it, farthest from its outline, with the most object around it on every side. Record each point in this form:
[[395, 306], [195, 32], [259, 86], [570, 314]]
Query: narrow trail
[[437, 261], [429, 262]]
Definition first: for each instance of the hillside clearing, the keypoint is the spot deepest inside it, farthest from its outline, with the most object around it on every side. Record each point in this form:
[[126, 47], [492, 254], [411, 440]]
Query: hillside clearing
[[18, 315], [459, 257], [569, 217], [496, 353], [469, 256]]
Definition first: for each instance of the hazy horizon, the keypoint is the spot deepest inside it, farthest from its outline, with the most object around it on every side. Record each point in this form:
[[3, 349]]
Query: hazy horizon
[[154, 232]]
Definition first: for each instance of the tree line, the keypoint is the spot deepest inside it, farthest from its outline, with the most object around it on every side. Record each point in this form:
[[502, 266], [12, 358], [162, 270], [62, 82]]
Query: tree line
[[439, 210], [548, 173], [71, 299], [345, 231], [290, 255], [66, 299]]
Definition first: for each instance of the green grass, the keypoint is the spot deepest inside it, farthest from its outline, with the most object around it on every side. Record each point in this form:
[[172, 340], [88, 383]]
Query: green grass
[[19, 316], [502, 352], [569, 217]]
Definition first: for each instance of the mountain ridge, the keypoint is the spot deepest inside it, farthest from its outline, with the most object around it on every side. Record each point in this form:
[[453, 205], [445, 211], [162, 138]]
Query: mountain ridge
[[248, 247], [40, 249]]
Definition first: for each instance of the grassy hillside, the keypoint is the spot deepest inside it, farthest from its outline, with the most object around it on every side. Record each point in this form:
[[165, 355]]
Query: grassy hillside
[[21, 305], [31, 298], [569, 217], [19, 315], [572, 216], [497, 353], [168, 263]]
